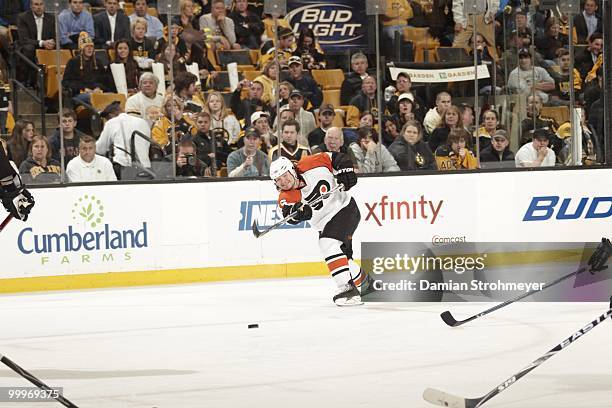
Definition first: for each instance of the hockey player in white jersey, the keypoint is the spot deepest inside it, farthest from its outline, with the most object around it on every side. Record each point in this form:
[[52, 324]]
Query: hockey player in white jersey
[[335, 217]]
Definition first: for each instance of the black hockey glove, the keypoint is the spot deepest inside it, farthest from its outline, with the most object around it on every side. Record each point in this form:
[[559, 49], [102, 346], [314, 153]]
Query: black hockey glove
[[16, 199], [598, 260], [303, 212], [347, 178]]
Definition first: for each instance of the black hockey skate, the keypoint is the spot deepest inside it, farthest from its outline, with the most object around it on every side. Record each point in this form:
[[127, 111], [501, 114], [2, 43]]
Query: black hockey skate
[[367, 286], [348, 296]]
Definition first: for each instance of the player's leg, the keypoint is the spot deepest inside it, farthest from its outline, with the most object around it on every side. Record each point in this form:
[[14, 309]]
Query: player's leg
[[338, 266]]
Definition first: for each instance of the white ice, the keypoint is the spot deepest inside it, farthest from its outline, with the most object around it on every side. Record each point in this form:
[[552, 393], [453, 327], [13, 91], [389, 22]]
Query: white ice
[[189, 346]]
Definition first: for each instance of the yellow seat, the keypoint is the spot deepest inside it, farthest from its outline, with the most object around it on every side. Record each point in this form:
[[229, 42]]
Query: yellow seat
[[331, 96], [328, 78], [152, 11], [102, 100], [251, 75], [560, 114], [49, 57], [51, 87]]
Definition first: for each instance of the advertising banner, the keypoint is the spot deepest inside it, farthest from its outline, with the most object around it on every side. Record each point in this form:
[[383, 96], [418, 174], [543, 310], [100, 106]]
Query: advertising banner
[[338, 24]]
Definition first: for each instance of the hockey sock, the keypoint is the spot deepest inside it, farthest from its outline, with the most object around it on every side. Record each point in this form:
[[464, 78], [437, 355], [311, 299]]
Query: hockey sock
[[357, 274], [336, 260]]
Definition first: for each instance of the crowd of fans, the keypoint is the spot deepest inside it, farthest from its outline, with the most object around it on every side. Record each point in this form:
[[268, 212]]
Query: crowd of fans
[[189, 127]]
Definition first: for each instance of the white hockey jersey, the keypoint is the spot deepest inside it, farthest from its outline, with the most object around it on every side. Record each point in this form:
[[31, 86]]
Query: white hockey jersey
[[318, 174]]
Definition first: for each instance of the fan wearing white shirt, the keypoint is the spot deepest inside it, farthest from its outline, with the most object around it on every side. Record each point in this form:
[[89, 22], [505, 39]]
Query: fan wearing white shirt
[[88, 166]]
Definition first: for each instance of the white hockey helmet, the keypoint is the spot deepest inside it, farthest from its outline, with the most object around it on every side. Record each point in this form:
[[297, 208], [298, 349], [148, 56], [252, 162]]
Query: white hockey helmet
[[280, 166]]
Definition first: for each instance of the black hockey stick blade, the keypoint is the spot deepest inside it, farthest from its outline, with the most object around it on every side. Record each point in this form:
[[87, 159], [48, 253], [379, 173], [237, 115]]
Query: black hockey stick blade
[[444, 399], [256, 231], [448, 318]]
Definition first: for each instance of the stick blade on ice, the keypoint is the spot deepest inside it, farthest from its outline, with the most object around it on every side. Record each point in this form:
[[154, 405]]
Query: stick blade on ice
[[256, 230], [448, 318], [444, 399]]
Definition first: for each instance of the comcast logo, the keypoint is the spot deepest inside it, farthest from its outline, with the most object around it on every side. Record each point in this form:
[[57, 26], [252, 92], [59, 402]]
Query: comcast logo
[[89, 209]]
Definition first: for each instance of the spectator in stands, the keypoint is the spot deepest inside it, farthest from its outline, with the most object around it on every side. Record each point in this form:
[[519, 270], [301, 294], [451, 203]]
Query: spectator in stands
[[143, 47], [326, 118], [403, 85], [268, 79], [185, 89], [552, 40], [353, 80], [248, 161], [154, 27], [534, 120], [309, 50], [179, 44], [261, 121], [454, 154], [248, 25], [72, 21], [561, 94], [20, 140], [221, 26], [220, 118], [588, 22], [206, 151], [146, 97], [585, 60], [305, 84], [110, 25], [333, 142], [174, 112], [36, 30], [396, 16], [485, 55], [290, 148], [72, 137], [187, 19], [467, 117], [128, 147], [434, 115], [284, 90], [372, 157], [410, 151], [366, 119], [450, 120], [525, 77], [187, 162], [124, 55], [85, 74], [499, 148], [405, 110], [305, 118], [440, 22], [89, 167], [39, 162], [269, 25], [490, 120], [464, 24], [365, 100], [9, 14], [244, 108], [286, 38], [196, 53], [390, 130], [284, 115], [537, 153]]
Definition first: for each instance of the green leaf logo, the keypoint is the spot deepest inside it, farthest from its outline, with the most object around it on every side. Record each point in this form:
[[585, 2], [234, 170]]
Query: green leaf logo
[[89, 209]]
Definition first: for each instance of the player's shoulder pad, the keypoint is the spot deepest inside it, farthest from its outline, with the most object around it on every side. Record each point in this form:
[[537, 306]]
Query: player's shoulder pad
[[341, 160], [289, 197], [316, 160]]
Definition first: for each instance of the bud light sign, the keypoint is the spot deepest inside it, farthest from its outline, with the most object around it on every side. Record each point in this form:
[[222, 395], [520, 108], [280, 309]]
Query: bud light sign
[[337, 24]]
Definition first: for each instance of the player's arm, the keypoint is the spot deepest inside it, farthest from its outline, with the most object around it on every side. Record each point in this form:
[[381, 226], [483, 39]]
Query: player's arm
[[290, 202], [344, 170], [16, 199]]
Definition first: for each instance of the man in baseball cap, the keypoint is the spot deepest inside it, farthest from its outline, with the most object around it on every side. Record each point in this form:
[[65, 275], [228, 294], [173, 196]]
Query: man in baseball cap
[[305, 83], [326, 118]]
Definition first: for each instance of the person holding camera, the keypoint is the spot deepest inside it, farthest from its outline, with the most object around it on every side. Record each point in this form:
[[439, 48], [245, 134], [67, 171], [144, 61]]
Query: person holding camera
[[187, 163], [248, 161]]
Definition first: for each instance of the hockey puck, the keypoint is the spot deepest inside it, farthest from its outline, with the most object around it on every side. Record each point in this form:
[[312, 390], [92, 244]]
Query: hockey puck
[[253, 326]]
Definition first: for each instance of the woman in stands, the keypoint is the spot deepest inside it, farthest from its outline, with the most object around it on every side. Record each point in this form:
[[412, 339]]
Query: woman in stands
[[39, 165], [187, 18], [144, 48], [490, 120], [183, 125], [450, 120], [123, 55], [454, 154], [309, 50], [19, 142], [370, 156], [410, 151], [548, 44], [390, 130], [284, 90], [268, 78], [215, 105]]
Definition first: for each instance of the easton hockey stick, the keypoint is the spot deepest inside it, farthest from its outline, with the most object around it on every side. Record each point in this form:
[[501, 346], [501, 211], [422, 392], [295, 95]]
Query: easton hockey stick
[[6, 221], [31, 378], [451, 321], [452, 401], [258, 233]]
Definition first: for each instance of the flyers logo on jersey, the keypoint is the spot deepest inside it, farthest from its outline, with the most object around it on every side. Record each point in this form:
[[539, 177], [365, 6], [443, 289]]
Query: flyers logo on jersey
[[322, 187], [266, 213]]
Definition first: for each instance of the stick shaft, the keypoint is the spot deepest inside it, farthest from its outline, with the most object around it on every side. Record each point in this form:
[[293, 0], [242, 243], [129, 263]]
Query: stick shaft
[[6, 222]]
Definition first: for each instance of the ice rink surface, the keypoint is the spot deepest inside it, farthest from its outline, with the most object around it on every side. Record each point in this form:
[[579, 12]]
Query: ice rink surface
[[189, 346]]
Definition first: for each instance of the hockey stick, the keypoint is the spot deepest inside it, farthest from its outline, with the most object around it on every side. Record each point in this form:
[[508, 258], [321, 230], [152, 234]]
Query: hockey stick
[[452, 401], [6, 221], [451, 321], [28, 376], [258, 233]]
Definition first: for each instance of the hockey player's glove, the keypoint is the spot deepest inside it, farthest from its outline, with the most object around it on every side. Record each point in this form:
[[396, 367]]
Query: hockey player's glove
[[303, 212], [346, 177], [16, 199], [598, 260]]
